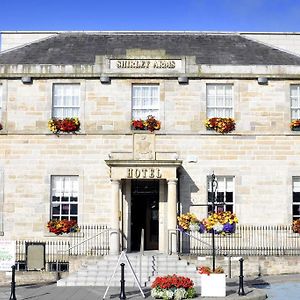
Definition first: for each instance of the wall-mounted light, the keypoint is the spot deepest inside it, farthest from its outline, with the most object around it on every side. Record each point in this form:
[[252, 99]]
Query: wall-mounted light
[[262, 80], [104, 79], [183, 80], [26, 79]]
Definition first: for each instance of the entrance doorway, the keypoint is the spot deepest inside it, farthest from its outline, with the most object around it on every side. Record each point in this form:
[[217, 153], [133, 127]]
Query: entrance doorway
[[144, 213]]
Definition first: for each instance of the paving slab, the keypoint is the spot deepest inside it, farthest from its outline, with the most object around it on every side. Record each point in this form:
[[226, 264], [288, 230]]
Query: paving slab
[[53, 292]]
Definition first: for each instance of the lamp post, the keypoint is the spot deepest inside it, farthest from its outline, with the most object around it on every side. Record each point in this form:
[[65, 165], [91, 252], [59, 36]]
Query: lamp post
[[214, 187]]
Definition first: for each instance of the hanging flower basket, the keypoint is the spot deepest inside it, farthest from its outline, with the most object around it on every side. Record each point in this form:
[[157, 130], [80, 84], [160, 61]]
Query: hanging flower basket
[[68, 125], [295, 125], [62, 226], [150, 124], [221, 125], [173, 287], [221, 223]]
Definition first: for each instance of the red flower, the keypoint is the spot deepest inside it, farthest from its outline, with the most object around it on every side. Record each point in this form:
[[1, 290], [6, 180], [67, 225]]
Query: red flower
[[171, 281]]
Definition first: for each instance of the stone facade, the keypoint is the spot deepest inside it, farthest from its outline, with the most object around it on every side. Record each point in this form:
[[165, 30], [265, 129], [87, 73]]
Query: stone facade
[[262, 154]]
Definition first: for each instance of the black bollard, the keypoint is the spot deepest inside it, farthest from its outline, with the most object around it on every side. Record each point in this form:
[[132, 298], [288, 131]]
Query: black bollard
[[13, 284], [122, 292], [241, 291]]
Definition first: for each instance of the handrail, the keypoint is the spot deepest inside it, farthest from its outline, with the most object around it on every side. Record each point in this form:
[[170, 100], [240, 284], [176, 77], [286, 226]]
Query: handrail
[[191, 236], [82, 242], [142, 246]]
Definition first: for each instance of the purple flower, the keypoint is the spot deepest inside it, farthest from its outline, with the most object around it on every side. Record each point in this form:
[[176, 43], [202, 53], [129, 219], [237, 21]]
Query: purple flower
[[229, 228], [201, 227]]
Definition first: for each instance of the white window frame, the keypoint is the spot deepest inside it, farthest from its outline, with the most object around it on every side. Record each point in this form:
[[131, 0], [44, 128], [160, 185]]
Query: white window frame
[[139, 108], [1, 101], [217, 98], [228, 187], [295, 101], [65, 109], [64, 195], [296, 203]]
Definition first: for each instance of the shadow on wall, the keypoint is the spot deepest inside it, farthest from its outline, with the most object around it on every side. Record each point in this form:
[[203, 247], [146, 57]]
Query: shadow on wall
[[187, 187]]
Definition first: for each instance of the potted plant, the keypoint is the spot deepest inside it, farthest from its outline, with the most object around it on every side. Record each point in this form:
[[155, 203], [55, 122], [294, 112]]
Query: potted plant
[[221, 125], [62, 226], [213, 284], [150, 124], [295, 125], [1, 127], [67, 125], [172, 287], [296, 226]]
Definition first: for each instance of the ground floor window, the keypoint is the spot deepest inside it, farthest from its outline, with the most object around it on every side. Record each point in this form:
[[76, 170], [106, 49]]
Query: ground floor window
[[296, 198], [224, 193], [64, 197]]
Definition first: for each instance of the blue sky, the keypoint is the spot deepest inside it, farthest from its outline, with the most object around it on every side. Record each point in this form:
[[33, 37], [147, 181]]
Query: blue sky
[[201, 15]]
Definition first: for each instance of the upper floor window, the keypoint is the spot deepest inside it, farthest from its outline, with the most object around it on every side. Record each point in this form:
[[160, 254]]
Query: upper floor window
[[219, 100], [224, 196], [296, 198], [1, 96], [145, 101], [295, 101], [64, 198], [66, 101]]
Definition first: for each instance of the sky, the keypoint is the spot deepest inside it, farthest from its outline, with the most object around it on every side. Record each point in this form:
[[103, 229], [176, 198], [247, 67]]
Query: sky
[[183, 15]]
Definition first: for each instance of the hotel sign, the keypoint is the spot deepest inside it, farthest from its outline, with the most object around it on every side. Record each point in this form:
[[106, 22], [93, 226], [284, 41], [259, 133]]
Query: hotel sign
[[162, 65], [150, 173]]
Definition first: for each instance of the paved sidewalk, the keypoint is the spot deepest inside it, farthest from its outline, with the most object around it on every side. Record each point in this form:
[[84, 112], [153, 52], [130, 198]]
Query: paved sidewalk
[[52, 292]]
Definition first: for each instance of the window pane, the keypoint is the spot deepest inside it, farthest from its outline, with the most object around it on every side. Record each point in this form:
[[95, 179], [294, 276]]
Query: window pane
[[224, 193], [145, 101], [66, 97], [296, 209], [296, 197], [67, 189], [74, 209], [229, 197], [65, 209], [295, 101], [56, 209], [219, 97]]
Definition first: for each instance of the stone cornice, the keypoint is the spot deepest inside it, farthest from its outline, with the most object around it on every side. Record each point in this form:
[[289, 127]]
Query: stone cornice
[[143, 163]]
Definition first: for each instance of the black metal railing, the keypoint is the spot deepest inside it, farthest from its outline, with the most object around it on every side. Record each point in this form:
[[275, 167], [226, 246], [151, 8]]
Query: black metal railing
[[248, 240], [91, 240]]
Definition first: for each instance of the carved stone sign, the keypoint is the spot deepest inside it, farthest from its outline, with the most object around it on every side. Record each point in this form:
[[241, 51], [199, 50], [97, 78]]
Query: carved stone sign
[[150, 173], [135, 65], [143, 146]]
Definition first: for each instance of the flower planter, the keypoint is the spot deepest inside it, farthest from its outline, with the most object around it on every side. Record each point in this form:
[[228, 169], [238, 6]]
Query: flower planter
[[213, 285], [296, 129]]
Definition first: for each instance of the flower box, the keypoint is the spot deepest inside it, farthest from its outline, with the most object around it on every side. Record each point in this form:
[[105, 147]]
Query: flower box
[[295, 128], [213, 285], [61, 227], [221, 125], [149, 124], [296, 226], [67, 125], [295, 125]]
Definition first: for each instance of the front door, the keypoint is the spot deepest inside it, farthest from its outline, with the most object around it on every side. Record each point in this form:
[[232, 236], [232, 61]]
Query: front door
[[144, 213]]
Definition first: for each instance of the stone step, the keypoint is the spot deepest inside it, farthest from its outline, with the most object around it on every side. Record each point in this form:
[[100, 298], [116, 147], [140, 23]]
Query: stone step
[[99, 272]]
